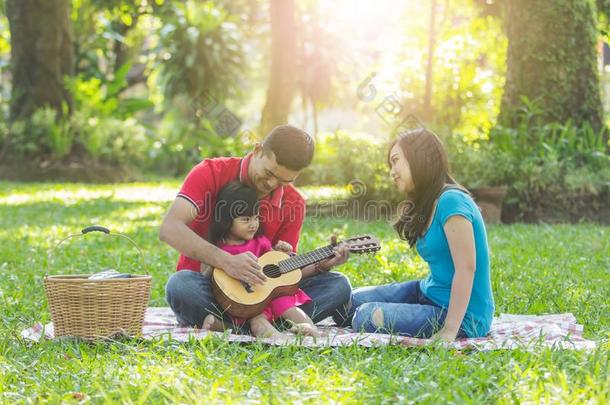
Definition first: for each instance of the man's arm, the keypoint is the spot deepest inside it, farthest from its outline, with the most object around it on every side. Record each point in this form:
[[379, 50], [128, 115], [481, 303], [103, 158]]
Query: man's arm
[[176, 233]]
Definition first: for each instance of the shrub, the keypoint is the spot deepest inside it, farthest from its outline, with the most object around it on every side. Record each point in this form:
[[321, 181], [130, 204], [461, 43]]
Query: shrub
[[180, 143], [355, 161], [552, 170]]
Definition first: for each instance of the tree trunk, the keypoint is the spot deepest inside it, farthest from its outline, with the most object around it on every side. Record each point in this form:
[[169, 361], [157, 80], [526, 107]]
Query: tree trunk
[[429, 65], [42, 55], [282, 82], [552, 61]]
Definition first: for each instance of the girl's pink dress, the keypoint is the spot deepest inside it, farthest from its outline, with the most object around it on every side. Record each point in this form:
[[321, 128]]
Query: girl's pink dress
[[259, 246]]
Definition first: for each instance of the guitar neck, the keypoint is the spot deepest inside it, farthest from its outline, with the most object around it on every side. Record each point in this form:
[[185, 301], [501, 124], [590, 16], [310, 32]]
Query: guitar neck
[[300, 261]]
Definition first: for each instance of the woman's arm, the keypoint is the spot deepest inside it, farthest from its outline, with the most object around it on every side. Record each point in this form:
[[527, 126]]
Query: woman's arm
[[460, 236]]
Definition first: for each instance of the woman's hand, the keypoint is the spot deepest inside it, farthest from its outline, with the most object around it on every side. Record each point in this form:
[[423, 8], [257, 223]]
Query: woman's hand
[[445, 334], [283, 246]]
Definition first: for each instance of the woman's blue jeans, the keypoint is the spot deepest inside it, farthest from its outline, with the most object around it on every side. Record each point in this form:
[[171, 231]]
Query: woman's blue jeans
[[398, 308]]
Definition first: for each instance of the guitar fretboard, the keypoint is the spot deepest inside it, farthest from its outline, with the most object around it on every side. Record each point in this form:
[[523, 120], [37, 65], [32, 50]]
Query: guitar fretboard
[[300, 261]]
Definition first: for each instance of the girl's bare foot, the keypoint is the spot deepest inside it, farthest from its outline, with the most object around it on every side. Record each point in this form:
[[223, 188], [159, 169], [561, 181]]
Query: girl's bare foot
[[305, 329], [212, 323], [301, 323], [261, 327]]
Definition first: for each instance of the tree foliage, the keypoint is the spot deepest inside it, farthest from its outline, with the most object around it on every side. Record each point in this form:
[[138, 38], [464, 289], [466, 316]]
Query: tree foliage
[[202, 52]]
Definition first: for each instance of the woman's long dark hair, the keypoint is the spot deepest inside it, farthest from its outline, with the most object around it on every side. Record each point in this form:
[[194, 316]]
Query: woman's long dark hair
[[234, 200], [430, 171]]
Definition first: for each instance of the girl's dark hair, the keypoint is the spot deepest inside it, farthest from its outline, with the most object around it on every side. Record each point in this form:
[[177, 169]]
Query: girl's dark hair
[[234, 200], [430, 171]]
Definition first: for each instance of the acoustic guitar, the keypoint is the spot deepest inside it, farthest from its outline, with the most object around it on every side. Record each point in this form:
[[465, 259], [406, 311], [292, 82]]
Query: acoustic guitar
[[283, 274]]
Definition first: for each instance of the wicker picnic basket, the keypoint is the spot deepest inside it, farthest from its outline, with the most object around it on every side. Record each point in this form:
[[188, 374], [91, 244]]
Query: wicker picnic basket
[[97, 309]]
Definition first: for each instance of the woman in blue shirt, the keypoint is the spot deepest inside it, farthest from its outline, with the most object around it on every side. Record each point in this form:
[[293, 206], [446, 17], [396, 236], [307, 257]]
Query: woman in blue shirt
[[445, 225]]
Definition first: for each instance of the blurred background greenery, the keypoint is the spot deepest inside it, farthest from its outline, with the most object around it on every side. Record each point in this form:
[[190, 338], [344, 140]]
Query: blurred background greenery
[[116, 90]]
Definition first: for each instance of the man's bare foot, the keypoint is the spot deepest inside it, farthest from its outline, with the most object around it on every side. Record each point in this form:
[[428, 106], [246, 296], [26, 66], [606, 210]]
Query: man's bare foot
[[212, 323]]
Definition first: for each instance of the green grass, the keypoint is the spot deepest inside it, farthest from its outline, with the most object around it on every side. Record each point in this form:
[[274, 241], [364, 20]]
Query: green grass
[[536, 269]]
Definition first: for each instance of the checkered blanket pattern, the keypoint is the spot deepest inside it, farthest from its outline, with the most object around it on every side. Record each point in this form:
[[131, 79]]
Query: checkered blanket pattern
[[558, 331]]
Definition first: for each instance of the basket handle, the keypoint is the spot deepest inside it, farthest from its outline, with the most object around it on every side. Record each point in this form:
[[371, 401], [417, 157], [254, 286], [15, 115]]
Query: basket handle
[[95, 228]]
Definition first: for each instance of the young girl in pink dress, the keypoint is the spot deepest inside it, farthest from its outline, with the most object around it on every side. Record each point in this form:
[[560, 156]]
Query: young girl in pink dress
[[235, 229]]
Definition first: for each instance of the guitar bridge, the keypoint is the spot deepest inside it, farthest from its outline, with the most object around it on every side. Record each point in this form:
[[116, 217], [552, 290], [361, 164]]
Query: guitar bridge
[[247, 286]]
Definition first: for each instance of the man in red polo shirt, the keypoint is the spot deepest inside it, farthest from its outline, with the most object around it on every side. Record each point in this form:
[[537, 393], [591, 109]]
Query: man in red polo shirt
[[270, 169]]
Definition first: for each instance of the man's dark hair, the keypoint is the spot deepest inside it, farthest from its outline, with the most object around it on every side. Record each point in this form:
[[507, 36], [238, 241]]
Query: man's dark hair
[[293, 148]]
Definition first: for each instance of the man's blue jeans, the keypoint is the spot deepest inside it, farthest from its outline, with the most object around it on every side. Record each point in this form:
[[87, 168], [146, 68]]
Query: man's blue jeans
[[404, 310], [189, 294]]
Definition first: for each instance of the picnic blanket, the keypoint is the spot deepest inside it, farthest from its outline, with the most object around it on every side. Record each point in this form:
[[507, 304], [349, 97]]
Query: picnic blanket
[[507, 332]]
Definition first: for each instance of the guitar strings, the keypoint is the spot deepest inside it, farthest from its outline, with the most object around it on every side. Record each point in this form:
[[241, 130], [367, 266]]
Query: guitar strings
[[305, 259], [272, 271], [314, 256]]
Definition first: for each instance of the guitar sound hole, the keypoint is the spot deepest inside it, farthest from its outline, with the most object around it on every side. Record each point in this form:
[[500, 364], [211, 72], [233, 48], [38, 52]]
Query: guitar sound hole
[[272, 270]]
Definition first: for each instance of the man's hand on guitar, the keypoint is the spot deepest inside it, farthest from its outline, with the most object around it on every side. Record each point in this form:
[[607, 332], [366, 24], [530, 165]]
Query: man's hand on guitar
[[245, 267], [341, 255]]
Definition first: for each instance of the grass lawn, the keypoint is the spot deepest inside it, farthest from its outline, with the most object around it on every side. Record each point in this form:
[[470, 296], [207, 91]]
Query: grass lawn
[[535, 269]]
